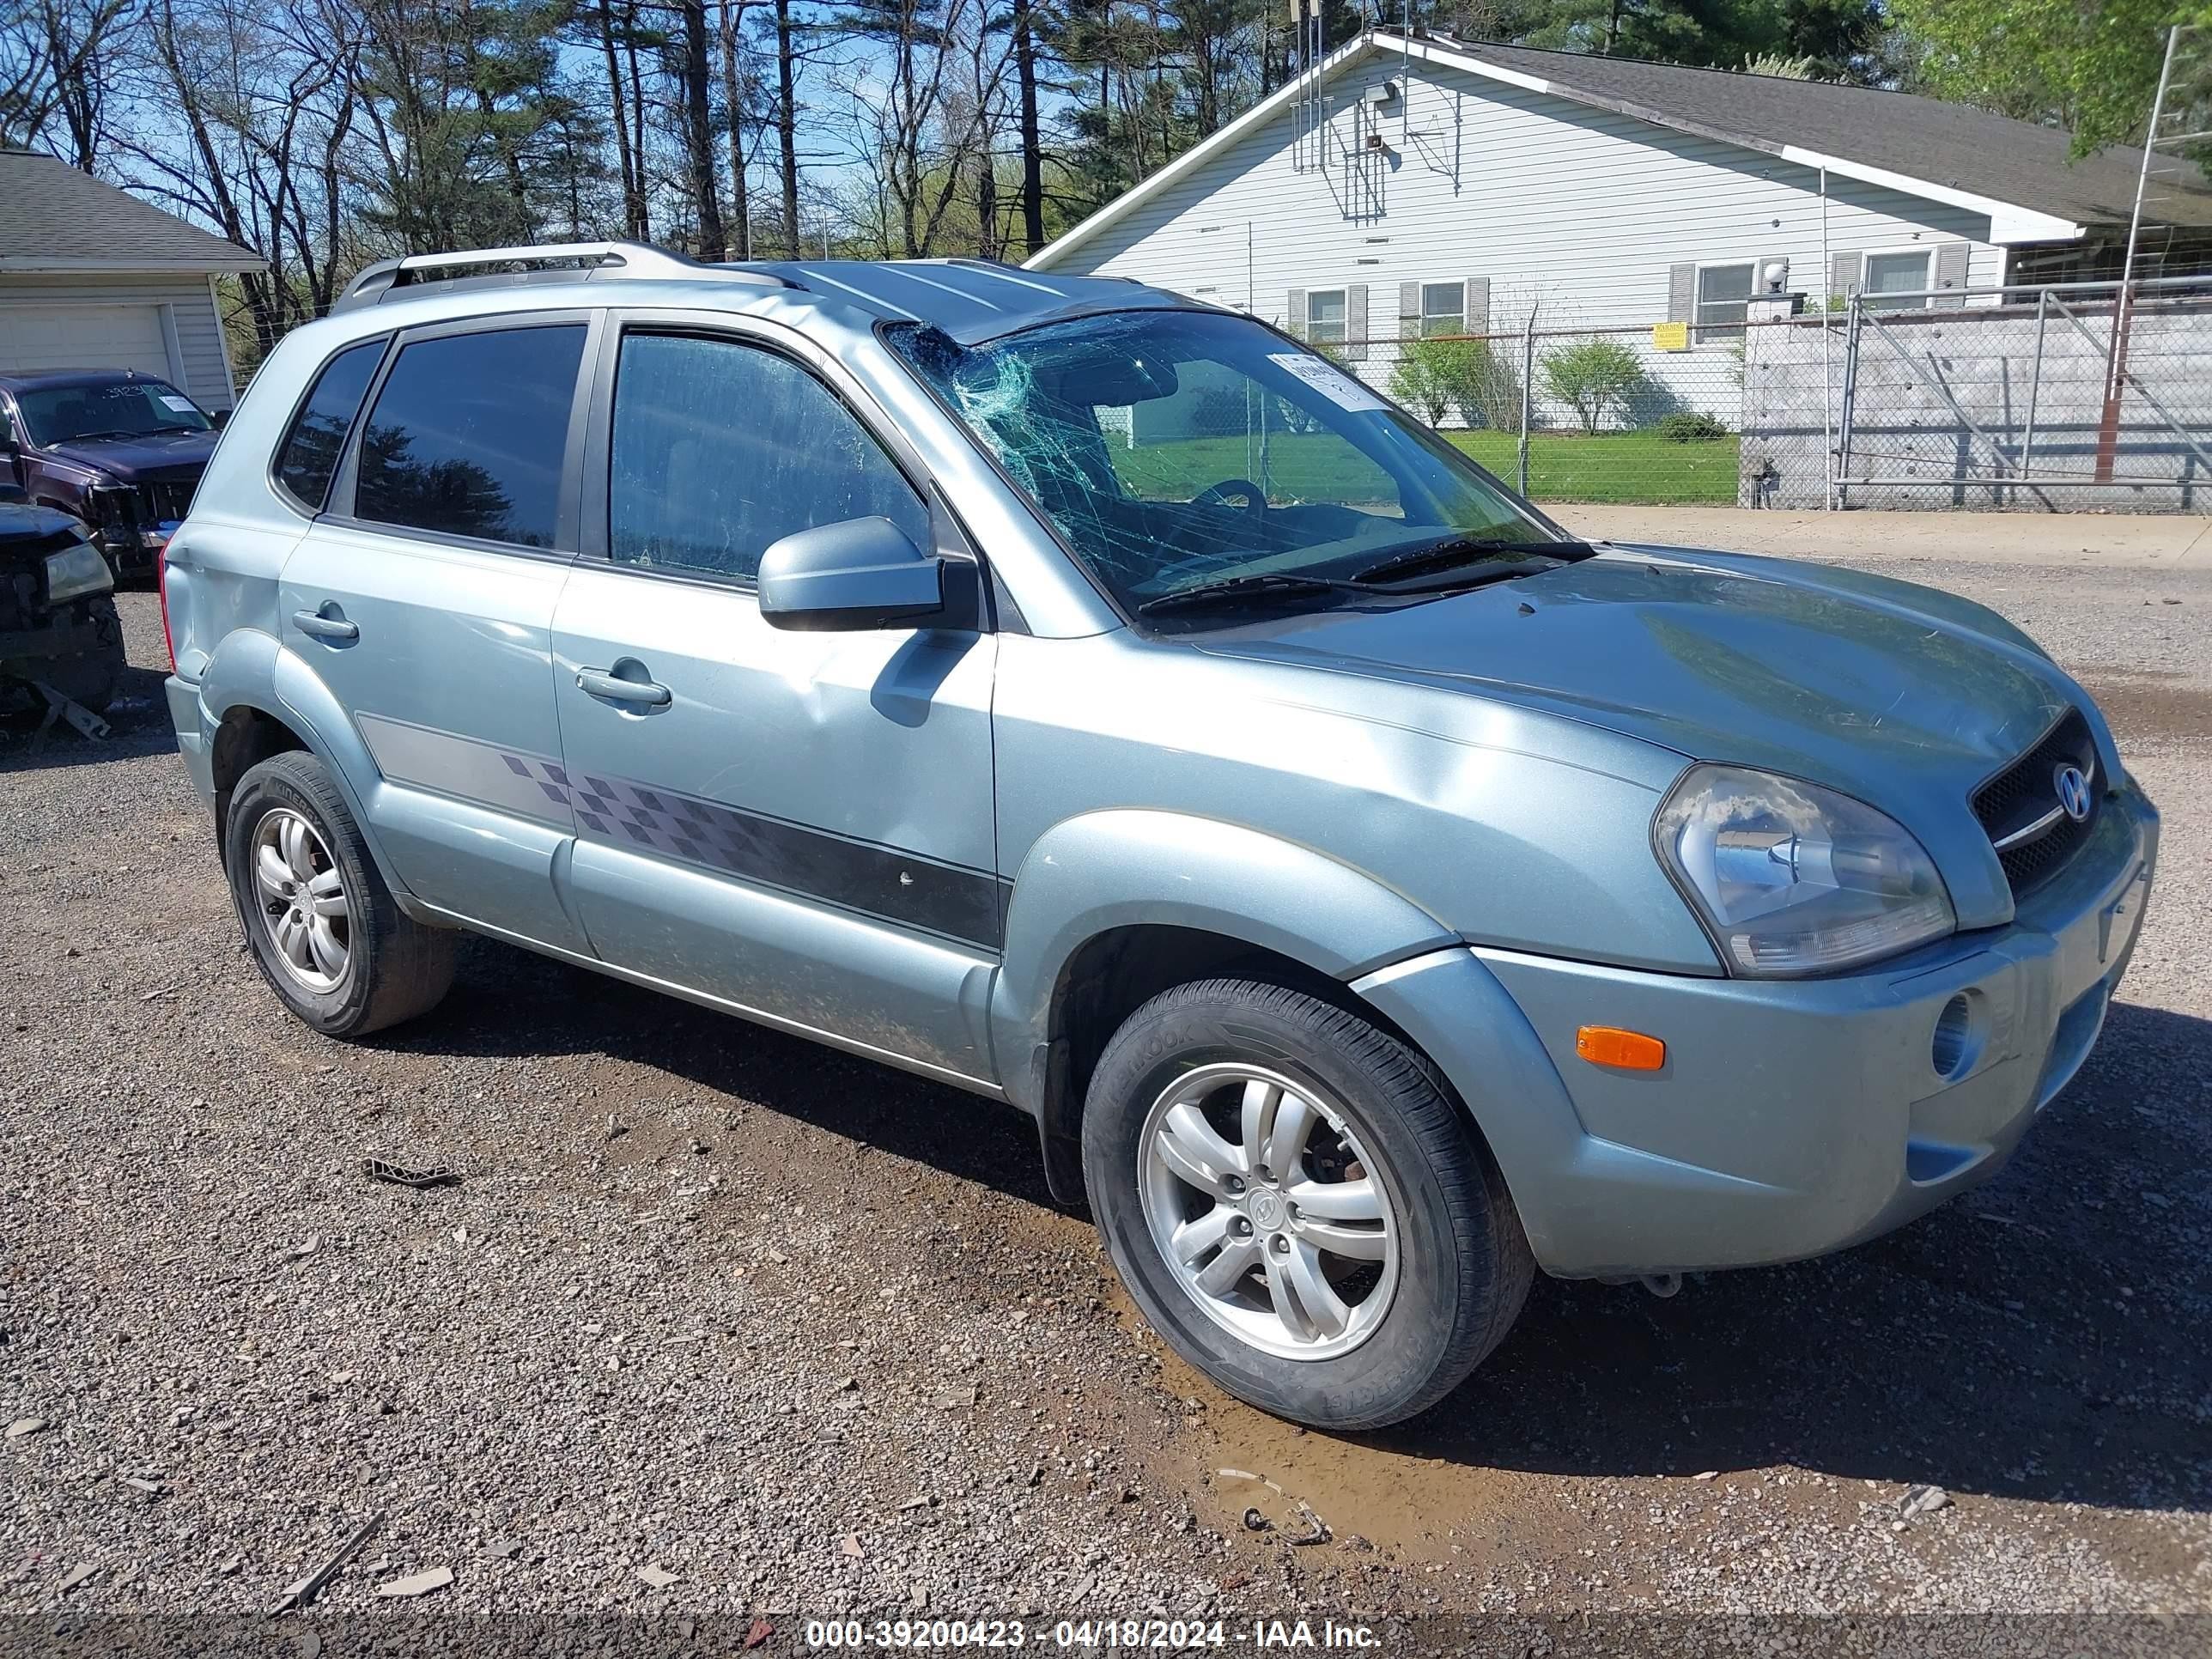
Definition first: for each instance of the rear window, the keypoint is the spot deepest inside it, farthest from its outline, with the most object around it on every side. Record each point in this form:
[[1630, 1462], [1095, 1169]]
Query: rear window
[[467, 435], [310, 455]]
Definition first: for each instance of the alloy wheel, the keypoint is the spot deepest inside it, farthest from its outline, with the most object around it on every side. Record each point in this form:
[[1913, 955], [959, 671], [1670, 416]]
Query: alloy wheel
[[301, 901], [1267, 1211]]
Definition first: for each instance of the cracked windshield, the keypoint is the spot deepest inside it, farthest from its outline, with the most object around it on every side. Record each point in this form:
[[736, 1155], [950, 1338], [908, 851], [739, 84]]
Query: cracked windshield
[[1193, 460]]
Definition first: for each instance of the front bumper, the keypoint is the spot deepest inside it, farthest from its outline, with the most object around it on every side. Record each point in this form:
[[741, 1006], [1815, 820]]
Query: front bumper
[[1791, 1117]]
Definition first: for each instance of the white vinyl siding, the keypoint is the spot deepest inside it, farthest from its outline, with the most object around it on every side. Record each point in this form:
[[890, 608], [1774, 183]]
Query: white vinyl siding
[[164, 326], [1581, 212]]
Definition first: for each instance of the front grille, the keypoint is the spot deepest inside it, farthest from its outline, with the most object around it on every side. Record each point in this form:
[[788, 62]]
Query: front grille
[[2025, 791], [170, 500]]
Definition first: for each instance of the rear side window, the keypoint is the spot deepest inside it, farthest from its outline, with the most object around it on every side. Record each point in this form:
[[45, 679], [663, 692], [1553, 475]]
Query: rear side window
[[310, 455], [468, 433], [721, 449]]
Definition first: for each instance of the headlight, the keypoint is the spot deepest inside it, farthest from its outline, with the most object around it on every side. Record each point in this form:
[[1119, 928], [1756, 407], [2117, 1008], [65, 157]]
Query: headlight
[[76, 572], [1793, 879]]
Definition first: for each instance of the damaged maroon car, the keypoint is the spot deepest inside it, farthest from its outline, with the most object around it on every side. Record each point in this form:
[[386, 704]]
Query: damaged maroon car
[[118, 451]]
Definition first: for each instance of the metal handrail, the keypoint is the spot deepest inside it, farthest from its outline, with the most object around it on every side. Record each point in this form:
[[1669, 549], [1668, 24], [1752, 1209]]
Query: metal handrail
[[2028, 288], [582, 259]]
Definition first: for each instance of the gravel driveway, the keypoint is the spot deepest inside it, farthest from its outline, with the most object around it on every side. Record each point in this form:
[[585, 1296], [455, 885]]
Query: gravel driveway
[[720, 1323]]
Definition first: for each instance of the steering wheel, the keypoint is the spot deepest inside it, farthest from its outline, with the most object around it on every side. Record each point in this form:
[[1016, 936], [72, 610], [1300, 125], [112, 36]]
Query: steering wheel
[[1256, 499]]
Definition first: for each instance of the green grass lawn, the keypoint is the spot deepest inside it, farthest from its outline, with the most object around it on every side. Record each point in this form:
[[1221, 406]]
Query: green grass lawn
[[1639, 467], [1615, 466]]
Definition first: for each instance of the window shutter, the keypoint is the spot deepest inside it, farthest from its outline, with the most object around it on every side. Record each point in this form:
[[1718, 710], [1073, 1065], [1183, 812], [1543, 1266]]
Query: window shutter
[[1294, 314], [1409, 311], [1355, 323], [1681, 293], [1845, 272], [1478, 305], [1759, 288], [1951, 268]]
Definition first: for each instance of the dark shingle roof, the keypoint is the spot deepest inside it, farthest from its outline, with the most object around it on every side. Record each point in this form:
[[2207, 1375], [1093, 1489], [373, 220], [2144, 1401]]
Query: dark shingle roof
[[2015, 162], [58, 218]]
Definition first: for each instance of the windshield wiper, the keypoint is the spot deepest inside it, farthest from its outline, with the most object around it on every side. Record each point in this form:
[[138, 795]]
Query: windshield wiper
[[1229, 589], [1511, 559], [109, 432]]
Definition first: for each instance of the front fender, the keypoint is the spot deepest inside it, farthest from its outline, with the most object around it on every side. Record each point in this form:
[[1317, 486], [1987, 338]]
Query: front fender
[[1127, 867], [250, 669]]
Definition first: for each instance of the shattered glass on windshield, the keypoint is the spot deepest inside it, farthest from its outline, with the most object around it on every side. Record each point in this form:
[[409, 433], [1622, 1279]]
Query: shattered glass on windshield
[[1173, 449]]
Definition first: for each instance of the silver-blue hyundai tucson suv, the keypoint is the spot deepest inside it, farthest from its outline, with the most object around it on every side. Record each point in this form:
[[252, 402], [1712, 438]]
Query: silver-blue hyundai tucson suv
[[1098, 702]]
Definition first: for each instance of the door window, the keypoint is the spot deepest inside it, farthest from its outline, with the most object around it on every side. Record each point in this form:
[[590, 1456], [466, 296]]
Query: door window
[[467, 434], [310, 455], [721, 449]]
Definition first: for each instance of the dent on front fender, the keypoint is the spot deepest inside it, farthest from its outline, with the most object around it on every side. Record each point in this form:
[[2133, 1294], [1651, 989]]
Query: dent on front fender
[[1123, 868]]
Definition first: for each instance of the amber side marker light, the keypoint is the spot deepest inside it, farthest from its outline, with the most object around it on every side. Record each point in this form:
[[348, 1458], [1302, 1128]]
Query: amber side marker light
[[1608, 1045]]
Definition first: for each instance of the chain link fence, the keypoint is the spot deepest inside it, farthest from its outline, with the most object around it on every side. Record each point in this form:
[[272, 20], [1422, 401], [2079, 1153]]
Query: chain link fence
[[2058, 397]]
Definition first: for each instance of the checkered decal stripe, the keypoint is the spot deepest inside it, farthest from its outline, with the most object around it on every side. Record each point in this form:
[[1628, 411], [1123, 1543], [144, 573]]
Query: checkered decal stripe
[[878, 880]]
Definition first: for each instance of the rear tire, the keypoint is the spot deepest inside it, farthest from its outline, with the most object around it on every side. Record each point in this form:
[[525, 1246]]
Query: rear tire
[[1385, 1258], [322, 925]]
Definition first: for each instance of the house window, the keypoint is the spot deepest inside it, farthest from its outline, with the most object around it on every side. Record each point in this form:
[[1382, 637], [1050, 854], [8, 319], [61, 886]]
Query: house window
[[1325, 317], [1443, 309], [1723, 294], [1902, 273]]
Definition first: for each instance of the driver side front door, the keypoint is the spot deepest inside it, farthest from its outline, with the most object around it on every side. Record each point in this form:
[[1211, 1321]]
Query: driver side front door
[[797, 824]]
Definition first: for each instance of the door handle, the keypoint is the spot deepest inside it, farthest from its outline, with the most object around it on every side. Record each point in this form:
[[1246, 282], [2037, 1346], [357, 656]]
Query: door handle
[[316, 626], [616, 688]]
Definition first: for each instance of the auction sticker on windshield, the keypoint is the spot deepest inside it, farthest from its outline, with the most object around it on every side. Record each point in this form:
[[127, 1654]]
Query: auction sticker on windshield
[[1332, 383]]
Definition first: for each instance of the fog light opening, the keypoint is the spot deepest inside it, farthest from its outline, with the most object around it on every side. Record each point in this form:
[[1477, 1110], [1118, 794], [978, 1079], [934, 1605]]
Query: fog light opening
[[1956, 1042]]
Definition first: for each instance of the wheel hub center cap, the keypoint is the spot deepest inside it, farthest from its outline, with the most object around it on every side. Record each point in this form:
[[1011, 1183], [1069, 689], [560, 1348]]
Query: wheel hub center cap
[[1265, 1207]]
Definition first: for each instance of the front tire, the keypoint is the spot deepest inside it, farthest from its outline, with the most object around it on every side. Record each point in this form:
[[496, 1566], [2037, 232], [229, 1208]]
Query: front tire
[[1297, 1205], [322, 925]]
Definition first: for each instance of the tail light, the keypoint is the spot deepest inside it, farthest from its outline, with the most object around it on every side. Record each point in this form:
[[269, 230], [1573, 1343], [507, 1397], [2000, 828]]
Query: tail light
[[161, 581]]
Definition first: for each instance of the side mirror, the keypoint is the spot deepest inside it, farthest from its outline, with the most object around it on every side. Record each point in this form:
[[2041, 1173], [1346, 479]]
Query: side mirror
[[859, 574], [219, 418]]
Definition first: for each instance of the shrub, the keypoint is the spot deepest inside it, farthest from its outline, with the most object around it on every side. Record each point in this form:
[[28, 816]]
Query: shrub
[[1688, 426], [1592, 377], [1422, 380], [1434, 377], [1218, 412]]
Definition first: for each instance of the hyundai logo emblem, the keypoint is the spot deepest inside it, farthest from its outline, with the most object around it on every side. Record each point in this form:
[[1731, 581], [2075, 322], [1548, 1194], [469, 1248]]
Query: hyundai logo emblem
[[2073, 785]]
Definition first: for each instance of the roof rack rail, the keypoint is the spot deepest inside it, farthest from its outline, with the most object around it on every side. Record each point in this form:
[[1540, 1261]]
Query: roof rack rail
[[550, 262]]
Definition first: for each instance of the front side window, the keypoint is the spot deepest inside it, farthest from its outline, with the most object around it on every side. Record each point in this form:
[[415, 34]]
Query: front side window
[[1893, 274], [1175, 449], [1723, 303], [1443, 309], [721, 449], [135, 408], [1325, 317], [467, 435], [311, 451]]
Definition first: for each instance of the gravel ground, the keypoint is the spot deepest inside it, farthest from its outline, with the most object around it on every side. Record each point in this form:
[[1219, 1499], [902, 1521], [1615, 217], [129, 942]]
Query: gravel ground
[[805, 1335]]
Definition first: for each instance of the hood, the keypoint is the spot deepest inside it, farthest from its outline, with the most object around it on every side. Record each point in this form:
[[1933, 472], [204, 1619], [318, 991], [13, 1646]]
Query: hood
[[1904, 697], [134, 460]]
